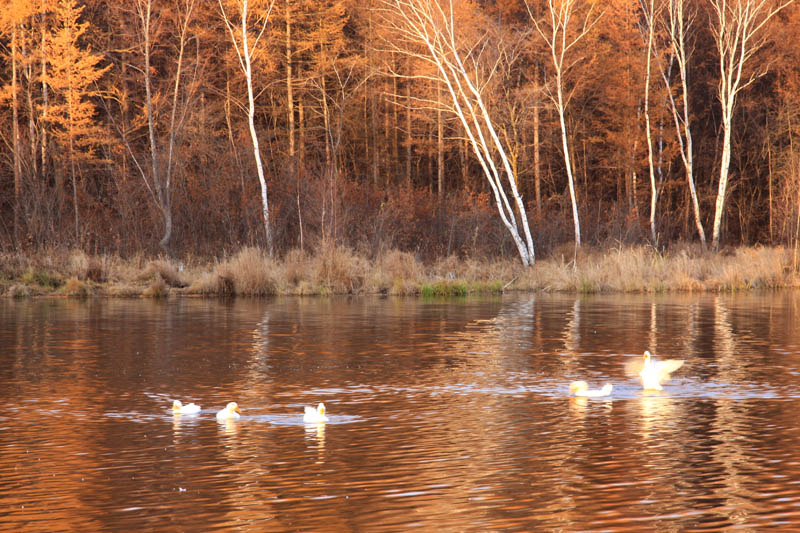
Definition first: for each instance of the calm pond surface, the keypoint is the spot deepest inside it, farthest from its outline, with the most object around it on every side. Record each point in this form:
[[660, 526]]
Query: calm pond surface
[[446, 415]]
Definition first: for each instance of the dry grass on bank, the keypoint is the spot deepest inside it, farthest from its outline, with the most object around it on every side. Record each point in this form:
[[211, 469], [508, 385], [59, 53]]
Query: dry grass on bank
[[643, 269], [339, 270]]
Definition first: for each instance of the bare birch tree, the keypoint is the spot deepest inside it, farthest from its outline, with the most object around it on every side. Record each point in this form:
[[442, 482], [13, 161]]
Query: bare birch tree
[[560, 44], [161, 186], [736, 26], [678, 23], [428, 33], [244, 52], [144, 13], [649, 10], [184, 10]]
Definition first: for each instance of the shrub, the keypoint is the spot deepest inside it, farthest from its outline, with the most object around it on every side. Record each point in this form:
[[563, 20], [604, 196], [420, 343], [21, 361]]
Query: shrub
[[252, 272], [164, 270], [338, 270], [42, 278], [85, 267], [75, 288], [295, 265], [19, 291], [157, 288], [397, 272]]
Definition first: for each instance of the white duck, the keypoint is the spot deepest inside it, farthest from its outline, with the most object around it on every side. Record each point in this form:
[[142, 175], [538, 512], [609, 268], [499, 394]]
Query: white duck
[[654, 373], [315, 416], [231, 412], [581, 388], [189, 409]]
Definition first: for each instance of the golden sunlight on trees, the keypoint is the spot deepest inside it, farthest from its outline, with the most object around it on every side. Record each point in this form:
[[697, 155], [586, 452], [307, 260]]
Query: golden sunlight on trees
[[11, 19], [439, 128], [306, 45], [72, 74]]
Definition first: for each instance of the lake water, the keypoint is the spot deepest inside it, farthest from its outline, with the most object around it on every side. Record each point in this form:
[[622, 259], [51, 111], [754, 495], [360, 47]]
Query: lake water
[[445, 415]]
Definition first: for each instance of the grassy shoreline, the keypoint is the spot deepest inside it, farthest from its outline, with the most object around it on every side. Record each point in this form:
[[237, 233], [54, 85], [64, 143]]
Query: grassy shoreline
[[336, 270]]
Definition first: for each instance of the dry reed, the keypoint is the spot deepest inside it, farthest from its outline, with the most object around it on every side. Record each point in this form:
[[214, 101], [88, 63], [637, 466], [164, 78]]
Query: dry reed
[[396, 272], [338, 270], [252, 273]]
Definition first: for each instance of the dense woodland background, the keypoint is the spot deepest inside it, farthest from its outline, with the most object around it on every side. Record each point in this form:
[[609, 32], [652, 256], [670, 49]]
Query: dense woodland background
[[125, 127]]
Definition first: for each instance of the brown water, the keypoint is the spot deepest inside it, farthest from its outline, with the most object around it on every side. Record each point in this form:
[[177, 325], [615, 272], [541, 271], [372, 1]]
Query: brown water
[[446, 415]]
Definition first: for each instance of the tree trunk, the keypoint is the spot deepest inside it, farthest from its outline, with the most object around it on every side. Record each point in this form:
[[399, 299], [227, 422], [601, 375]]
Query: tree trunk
[[537, 171], [161, 191], [301, 131], [166, 237], [395, 123], [653, 188], [568, 163], [45, 95], [409, 135], [677, 29], [326, 123], [15, 135], [74, 188], [289, 88], [734, 27], [373, 124], [439, 143], [251, 113], [724, 169]]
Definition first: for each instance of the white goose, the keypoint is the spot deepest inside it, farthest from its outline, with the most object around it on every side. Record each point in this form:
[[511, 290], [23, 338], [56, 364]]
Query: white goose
[[189, 409], [315, 416], [654, 373], [581, 388], [231, 412]]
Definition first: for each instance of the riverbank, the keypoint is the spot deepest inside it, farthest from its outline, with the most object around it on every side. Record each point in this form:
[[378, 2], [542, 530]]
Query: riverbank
[[335, 270]]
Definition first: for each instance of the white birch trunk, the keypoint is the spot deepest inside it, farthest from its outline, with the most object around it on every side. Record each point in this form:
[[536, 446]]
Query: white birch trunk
[[425, 22], [653, 189], [244, 54], [725, 162], [736, 26], [568, 163], [678, 28], [558, 45]]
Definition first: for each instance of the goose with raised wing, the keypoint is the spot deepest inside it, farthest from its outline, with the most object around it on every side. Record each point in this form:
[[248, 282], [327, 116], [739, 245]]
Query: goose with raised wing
[[654, 373]]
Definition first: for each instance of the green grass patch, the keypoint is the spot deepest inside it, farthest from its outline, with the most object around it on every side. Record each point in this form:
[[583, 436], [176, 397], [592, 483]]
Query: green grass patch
[[444, 288], [459, 288], [489, 287], [41, 278], [586, 286]]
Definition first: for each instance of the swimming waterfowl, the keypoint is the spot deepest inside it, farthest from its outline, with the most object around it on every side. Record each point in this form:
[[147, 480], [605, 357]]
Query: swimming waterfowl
[[230, 412], [314, 416], [654, 373], [189, 409], [581, 388]]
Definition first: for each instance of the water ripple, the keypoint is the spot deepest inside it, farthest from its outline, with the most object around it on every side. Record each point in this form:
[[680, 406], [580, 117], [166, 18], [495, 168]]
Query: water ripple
[[448, 415]]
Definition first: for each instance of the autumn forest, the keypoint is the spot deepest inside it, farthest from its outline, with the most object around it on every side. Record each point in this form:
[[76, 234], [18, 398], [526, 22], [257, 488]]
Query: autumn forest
[[437, 127]]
